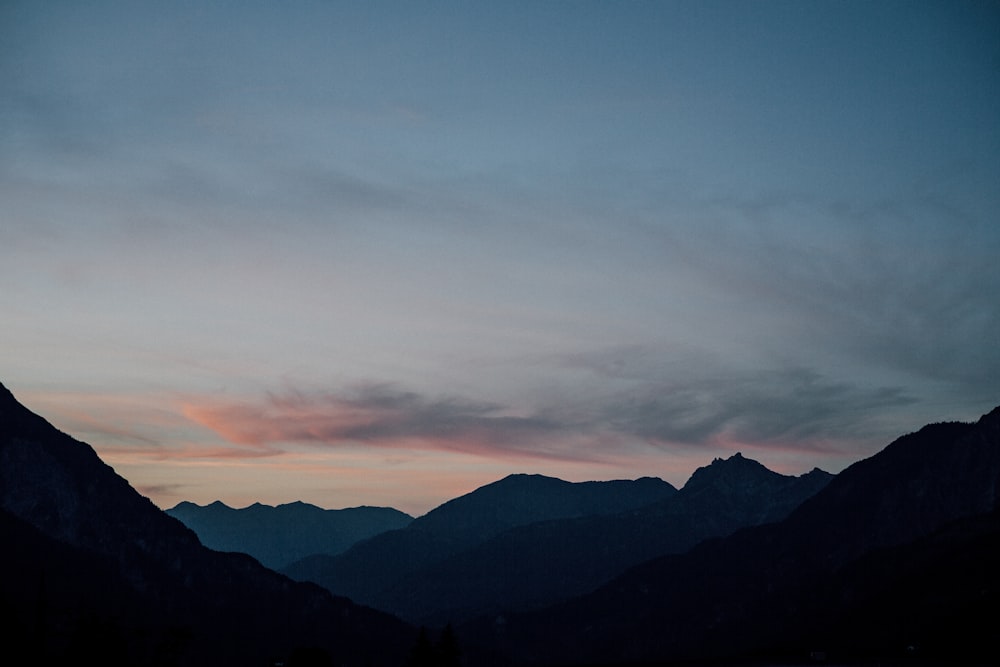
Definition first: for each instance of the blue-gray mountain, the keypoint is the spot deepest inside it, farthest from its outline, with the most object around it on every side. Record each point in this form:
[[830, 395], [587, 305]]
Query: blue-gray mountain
[[93, 571], [279, 536], [894, 562], [529, 541], [466, 522]]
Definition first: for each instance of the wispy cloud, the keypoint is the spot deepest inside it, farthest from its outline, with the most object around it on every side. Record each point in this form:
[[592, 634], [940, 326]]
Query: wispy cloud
[[899, 283], [796, 408], [382, 415], [789, 407]]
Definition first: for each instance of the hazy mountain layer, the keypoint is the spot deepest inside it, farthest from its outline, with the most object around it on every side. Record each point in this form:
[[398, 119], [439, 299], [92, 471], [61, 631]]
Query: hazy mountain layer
[[279, 536]]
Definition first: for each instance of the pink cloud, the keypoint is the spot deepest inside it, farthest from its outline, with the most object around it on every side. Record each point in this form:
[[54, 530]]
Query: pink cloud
[[382, 416]]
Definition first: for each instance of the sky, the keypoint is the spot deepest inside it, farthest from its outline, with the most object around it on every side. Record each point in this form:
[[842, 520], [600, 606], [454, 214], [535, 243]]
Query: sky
[[383, 253]]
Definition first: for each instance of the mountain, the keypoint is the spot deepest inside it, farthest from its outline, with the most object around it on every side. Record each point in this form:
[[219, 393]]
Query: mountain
[[545, 562], [894, 560], [528, 541], [519, 500], [467, 521], [279, 536], [92, 568]]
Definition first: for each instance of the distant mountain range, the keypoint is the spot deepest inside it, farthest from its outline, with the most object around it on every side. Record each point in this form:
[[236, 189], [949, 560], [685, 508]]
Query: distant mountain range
[[528, 541], [93, 571], [374, 566], [279, 536], [892, 561]]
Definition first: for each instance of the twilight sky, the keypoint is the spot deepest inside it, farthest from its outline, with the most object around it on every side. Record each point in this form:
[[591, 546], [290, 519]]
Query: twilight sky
[[384, 253]]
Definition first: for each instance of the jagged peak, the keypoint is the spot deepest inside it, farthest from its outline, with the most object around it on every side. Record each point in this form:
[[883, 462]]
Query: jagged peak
[[735, 459], [735, 465]]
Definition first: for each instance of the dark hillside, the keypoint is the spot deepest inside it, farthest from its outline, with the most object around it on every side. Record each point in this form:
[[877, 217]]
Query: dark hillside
[[856, 550], [90, 561]]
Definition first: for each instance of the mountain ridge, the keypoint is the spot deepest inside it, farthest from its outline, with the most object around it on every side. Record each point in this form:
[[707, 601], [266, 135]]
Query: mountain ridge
[[782, 588], [104, 568], [538, 562], [278, 535], [892, 561], [466, 521]]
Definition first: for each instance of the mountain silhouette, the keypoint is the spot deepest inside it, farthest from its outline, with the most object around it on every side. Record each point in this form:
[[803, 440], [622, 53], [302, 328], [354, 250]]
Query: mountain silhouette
[[467, 521], [544, 562], [895, 559], [528, 541], [279, 536], [92, 568]]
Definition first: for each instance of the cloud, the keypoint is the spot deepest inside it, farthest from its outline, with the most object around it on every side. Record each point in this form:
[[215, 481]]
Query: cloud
[[793, 408], [896, 282], [682, 395], [383, 415]]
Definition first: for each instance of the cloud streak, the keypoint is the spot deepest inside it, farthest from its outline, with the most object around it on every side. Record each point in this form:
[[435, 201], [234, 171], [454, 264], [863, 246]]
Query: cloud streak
[[380, 415], [789, 408]]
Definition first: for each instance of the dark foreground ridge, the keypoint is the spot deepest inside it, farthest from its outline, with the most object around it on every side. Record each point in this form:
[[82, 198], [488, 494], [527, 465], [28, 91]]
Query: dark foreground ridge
[[894, 562], [94, 571]]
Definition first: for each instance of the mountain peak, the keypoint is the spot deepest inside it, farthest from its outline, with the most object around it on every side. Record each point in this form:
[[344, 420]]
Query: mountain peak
[[527, 478], [182, 506], [520, 499], [734, 460], [737, 469], [16, 418], [7, 396]]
